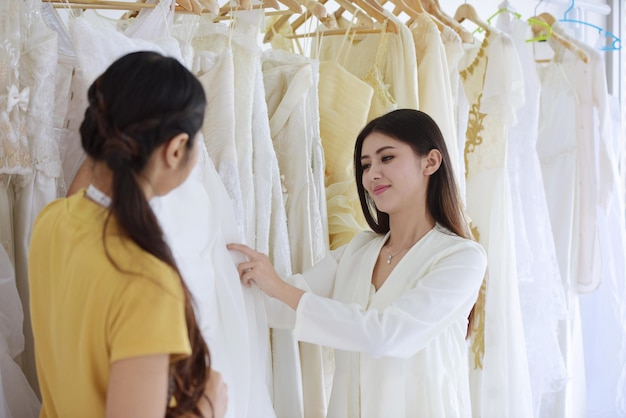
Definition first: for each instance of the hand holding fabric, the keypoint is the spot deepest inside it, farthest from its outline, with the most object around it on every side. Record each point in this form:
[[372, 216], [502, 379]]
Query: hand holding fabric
[[259, 270]]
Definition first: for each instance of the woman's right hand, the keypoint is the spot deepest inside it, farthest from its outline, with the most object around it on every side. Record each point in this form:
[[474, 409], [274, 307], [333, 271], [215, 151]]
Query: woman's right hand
[[217, 392], [259, 270]]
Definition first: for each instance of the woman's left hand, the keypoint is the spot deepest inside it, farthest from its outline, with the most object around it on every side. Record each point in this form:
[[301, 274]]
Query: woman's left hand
[[258, 269]]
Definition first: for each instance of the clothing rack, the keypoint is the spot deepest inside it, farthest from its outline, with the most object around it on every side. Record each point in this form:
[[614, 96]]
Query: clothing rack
[[132, 6]]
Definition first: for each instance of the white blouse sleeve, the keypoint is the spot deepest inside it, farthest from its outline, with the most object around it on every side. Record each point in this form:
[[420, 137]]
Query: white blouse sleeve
[[441, 298], [319, 279]]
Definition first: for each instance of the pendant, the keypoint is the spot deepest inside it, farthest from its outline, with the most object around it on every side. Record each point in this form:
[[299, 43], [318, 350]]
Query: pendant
[[389, 257]]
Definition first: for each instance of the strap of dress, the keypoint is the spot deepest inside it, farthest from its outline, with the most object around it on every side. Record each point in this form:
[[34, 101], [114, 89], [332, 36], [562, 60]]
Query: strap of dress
[[381, 50], [343, 44]]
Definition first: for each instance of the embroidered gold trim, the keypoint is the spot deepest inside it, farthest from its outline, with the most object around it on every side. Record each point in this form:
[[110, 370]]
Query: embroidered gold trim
[[475, 232], [475, 125], [478, 327], [481, 53]]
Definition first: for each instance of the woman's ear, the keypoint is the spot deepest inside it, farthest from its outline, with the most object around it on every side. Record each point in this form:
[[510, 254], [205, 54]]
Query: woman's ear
[[432, 162], [175, 150]]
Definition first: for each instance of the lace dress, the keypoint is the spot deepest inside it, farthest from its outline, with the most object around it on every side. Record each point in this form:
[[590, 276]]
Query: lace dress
[[33, 191]]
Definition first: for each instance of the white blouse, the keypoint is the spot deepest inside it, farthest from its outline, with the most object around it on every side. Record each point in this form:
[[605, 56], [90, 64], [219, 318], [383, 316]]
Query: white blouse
[[400, 351]]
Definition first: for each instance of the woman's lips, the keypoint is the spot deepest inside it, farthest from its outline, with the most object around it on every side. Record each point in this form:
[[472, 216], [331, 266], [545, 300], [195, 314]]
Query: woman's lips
[[380, 189]]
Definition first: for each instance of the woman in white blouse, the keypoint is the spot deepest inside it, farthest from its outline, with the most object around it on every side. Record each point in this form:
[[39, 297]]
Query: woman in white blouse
[[395, 302]]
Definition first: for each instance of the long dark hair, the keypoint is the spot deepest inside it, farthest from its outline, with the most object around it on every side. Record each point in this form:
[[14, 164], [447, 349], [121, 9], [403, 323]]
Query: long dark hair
[[139, 103], [443, 200], [420, 131]]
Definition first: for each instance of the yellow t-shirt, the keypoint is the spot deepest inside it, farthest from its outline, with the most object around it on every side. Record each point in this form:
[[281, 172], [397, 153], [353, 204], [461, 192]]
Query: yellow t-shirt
[[86, 313]]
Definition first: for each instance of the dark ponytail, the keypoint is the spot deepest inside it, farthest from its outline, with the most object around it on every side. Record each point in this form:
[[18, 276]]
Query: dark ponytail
[[140, 102]]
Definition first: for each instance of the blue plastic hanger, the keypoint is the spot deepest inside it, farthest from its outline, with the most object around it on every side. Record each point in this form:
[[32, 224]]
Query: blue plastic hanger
[[614, 46]]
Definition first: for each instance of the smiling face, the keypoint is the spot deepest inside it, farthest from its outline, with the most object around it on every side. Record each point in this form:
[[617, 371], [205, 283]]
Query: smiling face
[[394, 176]]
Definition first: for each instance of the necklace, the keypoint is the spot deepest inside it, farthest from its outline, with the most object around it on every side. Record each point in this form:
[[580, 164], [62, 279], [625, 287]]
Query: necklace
[[98, 196], [391, 256]]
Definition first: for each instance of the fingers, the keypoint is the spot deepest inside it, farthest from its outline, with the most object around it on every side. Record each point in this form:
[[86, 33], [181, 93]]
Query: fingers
[[245, 267], [242, 248]]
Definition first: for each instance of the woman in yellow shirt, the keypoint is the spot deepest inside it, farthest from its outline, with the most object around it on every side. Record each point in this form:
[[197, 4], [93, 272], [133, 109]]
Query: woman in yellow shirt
[[115, 333]]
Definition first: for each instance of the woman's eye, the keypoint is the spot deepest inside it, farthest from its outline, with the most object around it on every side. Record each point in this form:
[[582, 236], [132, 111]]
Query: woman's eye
[[365, 166], [387, 158]]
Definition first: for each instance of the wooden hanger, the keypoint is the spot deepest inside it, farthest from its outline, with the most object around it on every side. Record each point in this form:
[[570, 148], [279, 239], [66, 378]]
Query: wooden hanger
[[413, 8], [362, 18], [370, 7], [376, 11], [467, 12], [432, 7], [223, 13], [539, 30], [417, 6], [312, 8]]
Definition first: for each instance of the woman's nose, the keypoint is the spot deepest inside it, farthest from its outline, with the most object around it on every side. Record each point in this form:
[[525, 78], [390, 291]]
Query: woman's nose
[[374, 172]]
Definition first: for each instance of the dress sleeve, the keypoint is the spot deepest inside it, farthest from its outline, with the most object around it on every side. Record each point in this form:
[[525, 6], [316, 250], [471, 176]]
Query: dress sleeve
[[148, 317], [441, 298]]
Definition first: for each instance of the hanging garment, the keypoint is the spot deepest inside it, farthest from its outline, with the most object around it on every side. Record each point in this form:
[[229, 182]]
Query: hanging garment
[[558, 162], [593, 135], [580, 88], [396, 354], [14, 98], [493, 84], [14, 101], [17, 399], [289, 83], [435, 93], [603, 312], [216, 73], [213, 40], [272, 238], [385, 61], [197, 228], [33, 191], [339, 91], [318, 166], [98, 44], [541, 292], [70, 101], [460, 107]]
